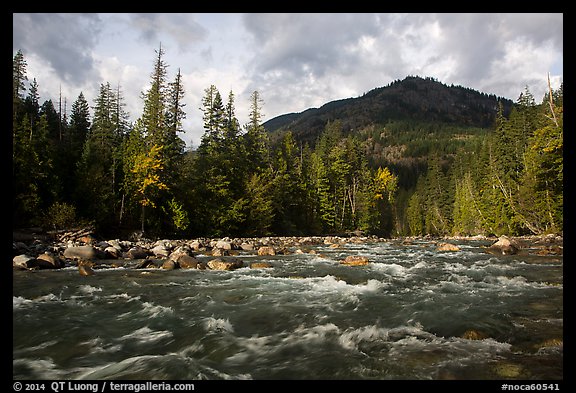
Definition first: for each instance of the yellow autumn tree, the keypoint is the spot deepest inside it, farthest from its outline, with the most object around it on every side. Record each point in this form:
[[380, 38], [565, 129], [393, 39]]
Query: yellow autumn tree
[[384, 187], [146, 171]]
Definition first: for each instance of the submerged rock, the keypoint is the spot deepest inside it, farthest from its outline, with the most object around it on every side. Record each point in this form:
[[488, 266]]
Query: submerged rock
[[474, 335], [508, 370], [260, 265]]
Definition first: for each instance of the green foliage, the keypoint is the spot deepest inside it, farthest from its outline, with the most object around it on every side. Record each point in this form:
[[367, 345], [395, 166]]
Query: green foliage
[[415, 215], [61, 216], [178, 215]]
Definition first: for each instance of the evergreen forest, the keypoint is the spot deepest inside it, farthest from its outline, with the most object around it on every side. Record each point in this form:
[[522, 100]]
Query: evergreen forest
[[424, 170]]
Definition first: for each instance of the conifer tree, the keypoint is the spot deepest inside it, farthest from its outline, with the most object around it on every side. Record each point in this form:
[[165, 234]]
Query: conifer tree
[[71, 147], [257, 142], [154, 112], [18, 82], [174, 116], [95, 170]]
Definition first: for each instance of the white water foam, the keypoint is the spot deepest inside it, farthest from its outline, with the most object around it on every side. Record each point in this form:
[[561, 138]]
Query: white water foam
[[19, 301], [352, 337], [215, 325], [154, 311], [146, 335], [89, 289], [259, 347], [330, 283], [97, 345], [392, 269]]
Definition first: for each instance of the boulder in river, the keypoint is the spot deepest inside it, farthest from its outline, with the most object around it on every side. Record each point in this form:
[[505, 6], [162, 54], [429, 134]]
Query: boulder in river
[[504, 246], [136, 253], [52, 259], [225, 264], [247, 246], [355, 260], [220, 252], [266, 250], [150, 263], [223, 244], [85, 270], [28, 262], [447, 247], [187, 262], [472, 334], [170, 265], [82, 252]]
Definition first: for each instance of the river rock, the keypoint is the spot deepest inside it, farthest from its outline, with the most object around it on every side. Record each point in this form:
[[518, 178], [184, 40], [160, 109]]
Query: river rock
[[447, 247], [19, 248], [247, 246], [82, 252], [112, 252], [220, 252], [52, 259], [266, 250], [225, 264], [23, 261], [355, 260], [179, 252], [223, 244], [187, 262], [160, 251], [149, 263], [85, 270], [196, 245], [170, 265], [136, 253], [28, 262], [550, 250], [474, 335], [504, 246], [506, 370], [260, 265]]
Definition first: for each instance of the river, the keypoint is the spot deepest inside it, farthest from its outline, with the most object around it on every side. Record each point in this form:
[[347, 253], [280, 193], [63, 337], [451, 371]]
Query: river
[[411, 313]]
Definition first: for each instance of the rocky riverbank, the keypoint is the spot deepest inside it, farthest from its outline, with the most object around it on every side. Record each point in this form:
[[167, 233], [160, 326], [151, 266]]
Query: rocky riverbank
[[37, 250]]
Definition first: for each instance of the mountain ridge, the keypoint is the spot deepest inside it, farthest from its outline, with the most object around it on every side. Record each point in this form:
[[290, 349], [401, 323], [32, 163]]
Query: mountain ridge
[[413, 98]]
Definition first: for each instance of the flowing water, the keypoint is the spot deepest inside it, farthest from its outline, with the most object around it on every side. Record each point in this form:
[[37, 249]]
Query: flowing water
[[412, 313]]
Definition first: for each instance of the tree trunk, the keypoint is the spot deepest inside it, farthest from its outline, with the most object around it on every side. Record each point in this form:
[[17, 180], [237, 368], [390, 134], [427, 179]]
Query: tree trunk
[[143, 207]]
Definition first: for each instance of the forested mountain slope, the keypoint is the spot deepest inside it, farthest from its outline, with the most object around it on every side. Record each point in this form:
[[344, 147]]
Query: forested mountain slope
[[414, 98]]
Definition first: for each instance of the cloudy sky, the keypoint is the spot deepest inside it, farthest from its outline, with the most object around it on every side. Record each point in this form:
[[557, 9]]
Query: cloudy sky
[[295, 61]]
